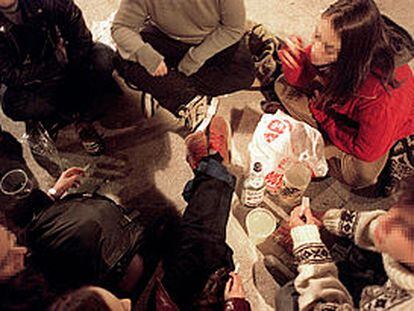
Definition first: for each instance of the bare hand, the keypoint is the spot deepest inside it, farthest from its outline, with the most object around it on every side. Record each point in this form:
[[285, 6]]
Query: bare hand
[[69, 179], [301, 216], [161, 70], [291, 52], [234, 287]]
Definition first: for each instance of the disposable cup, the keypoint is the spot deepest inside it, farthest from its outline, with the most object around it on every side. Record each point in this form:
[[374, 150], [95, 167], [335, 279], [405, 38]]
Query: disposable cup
[[260, 224]]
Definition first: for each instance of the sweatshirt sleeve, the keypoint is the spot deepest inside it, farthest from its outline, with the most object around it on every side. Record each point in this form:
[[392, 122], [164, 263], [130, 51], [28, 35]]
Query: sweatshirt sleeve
[[373, 137], [304, 74], [128, 22], [228, 32], [317, 282]]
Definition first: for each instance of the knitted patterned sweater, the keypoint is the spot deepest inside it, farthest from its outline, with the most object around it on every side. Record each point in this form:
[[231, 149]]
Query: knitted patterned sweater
[[318, 283]]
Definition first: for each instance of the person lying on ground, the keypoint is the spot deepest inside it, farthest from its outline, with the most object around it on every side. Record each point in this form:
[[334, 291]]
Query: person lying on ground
[[199, 265]]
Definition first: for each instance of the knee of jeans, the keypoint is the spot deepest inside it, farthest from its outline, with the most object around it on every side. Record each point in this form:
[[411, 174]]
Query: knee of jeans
[[102, 58], [361, 179]]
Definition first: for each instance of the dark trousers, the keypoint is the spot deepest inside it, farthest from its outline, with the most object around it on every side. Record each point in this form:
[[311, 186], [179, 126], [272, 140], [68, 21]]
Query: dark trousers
[[72, 94], [228, 71], [201, 248]]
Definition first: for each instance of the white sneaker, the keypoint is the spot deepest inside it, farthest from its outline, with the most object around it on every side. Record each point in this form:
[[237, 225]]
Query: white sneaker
[[198, 113], [149, 105]]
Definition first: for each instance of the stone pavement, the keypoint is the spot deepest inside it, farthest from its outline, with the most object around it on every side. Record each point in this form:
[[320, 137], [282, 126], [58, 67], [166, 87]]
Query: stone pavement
[[146, 159]]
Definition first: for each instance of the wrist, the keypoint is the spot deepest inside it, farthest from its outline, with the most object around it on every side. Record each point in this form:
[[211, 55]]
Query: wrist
[[52, 193]]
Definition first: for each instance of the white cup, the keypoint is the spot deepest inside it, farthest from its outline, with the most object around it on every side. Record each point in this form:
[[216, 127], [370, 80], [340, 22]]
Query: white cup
[[260, 224]]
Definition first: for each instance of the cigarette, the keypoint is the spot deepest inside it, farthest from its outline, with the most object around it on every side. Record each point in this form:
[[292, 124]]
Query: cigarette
[[305, 205], [237, 268], [86, 167]]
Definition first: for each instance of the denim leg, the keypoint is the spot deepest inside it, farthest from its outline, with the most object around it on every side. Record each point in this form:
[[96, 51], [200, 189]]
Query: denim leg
[[201, 248]]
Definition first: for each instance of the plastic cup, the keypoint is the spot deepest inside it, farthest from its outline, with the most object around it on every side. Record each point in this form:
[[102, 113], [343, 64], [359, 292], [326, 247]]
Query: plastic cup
[[295, 182], [16, 183], [260, 224]]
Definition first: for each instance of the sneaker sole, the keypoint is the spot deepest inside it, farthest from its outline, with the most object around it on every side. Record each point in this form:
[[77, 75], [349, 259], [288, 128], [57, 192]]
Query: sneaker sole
[[211, 112], [148, 105]]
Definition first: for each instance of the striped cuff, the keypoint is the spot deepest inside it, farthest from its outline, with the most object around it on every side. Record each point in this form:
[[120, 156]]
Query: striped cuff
[[308, 246]]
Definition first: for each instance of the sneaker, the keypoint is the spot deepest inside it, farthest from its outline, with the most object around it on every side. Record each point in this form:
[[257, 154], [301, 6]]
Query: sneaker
[[149, 105], [216, 138], [92, 142], [198, 113], [197, 148], [219, 138]]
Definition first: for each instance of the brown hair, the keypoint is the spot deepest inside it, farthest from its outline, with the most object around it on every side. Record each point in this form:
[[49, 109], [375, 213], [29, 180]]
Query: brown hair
[[365, 48]]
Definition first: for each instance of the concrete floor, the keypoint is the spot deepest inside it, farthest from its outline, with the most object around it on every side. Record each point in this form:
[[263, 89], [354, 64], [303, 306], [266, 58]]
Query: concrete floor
[[147, 158]]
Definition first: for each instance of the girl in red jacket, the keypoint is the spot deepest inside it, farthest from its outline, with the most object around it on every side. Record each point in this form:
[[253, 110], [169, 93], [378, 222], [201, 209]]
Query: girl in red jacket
[[354, 83]]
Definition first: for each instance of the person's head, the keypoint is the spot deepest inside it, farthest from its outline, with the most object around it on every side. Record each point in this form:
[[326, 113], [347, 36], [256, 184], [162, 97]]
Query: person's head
[[12, 256], [351, 37], [7, 3], [394, 234], [90, 298]]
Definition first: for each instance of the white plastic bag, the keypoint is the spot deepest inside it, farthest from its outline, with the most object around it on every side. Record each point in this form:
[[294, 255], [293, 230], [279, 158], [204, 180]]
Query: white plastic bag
[[279, 140]]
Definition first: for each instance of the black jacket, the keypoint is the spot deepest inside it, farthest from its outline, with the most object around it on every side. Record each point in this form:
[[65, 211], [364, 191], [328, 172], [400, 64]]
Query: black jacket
[[83, 239], [48, 21]]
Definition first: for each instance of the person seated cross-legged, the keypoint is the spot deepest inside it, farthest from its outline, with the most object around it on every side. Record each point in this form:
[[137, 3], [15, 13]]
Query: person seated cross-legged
[[182, 53], [52, 69]]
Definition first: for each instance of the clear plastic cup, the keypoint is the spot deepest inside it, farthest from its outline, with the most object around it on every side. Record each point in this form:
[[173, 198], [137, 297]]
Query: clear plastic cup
[[294, 184], [16, 183], [260, 224]]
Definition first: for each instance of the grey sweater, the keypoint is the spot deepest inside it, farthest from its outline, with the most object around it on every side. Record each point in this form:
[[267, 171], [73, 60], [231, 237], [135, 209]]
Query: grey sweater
[[209, 25]]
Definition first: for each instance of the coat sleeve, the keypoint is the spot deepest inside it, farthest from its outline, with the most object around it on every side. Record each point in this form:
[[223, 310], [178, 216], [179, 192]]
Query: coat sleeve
[[228, 32], [372, 138], [17, 76], [128, 22], [302, 76], [317, 282], [67, 15]]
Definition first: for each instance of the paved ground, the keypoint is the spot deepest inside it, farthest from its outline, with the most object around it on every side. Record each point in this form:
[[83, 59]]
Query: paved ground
[[146, 158]]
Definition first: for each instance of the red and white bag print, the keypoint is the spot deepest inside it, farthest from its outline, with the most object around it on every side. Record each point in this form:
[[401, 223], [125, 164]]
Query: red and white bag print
[[279, 140]]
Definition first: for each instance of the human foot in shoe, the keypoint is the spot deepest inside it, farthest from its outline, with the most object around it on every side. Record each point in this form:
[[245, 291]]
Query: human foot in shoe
[[197, 148], [92, 142], [219, 138]]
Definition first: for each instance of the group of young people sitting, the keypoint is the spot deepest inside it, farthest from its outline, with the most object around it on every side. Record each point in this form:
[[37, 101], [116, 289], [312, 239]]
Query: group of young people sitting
[[82, 251]]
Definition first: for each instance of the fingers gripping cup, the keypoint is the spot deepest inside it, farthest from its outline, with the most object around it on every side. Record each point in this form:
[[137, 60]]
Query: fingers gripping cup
[[16, 183], [260, 224]]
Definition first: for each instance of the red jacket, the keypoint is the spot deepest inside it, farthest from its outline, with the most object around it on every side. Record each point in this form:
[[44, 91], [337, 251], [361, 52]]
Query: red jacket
[[377, 118]]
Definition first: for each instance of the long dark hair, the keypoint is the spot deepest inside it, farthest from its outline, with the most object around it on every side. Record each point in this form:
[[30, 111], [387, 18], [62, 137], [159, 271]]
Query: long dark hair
[[365, 49]]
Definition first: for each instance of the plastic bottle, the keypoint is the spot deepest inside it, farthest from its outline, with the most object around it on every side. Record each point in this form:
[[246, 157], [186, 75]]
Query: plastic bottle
[[254, 187]]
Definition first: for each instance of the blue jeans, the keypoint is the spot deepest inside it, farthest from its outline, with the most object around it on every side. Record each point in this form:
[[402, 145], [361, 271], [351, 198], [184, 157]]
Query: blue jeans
[[201, 247]]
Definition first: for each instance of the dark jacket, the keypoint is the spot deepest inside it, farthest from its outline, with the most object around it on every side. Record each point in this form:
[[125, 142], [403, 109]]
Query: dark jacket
[[45, 24], [83, 239]]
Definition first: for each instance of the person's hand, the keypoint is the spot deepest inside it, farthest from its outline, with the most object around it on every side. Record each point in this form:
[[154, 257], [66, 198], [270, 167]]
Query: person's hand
[[69, 179], [291, 52], [234, 287], [161, 70], [301, 216]]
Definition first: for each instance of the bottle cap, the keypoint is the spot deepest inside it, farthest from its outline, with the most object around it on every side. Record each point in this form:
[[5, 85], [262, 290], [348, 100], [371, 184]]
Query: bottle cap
[[257, 167]]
